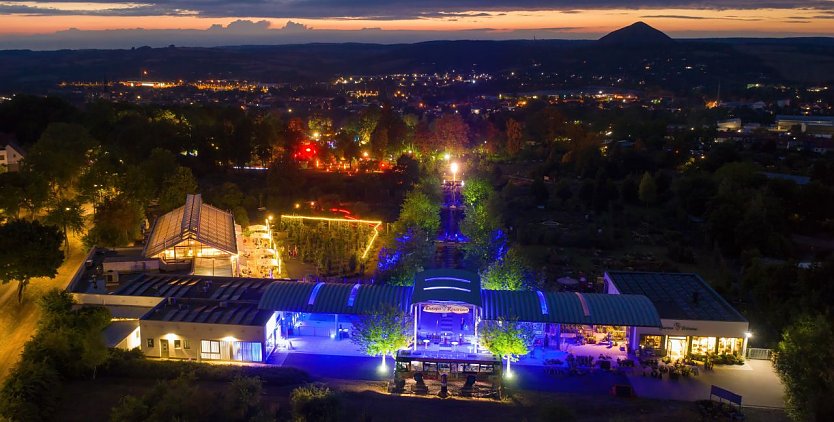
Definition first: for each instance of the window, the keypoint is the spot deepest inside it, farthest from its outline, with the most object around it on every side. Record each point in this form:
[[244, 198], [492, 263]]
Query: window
[[177, 344], [186, 344], [650, 342], [248, 351], [210, 349]]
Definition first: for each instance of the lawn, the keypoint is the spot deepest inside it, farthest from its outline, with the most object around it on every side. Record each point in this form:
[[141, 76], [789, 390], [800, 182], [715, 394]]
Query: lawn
[[365, 401]]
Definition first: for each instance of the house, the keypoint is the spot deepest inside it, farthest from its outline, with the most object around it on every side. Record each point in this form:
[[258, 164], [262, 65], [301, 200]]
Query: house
[[11, 154]]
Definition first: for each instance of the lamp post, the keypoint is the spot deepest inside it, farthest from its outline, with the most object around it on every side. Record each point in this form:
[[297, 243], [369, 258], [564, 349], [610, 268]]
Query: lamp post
[[454, 168]]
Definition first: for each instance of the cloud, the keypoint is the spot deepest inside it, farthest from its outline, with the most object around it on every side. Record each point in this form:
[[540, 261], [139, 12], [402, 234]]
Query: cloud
[[379, 9], [248, 32], [690, 17]]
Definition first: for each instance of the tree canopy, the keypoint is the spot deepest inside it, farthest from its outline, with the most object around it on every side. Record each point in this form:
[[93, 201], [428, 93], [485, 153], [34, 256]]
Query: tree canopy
[[29, 249], [382, 332]]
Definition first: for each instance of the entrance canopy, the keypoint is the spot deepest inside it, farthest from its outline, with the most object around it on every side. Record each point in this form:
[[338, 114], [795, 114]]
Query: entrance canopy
[[447, 285]]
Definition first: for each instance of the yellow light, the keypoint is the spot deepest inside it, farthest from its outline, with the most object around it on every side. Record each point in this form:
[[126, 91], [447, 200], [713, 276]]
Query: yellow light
[[454, 168], [270, 217], [446, 156], [297, 205], [365, 154], [228, 338]]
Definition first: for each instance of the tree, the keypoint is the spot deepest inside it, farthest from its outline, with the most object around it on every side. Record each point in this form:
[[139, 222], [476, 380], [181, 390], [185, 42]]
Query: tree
[[505, 274], [68, 215], [118, 222], [450, 133], [60, 154], [515, 131], [383, 332], [505, 339], [803, 360], [175, 188], [418, 210], [648, 189], [476, 191], [28, 250]]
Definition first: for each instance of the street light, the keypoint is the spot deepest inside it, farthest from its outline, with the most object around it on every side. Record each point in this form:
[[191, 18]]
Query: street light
[[446, 156], [454, 168]]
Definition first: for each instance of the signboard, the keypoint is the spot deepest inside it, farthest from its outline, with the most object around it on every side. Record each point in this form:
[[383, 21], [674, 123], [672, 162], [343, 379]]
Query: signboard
[[445, 309]]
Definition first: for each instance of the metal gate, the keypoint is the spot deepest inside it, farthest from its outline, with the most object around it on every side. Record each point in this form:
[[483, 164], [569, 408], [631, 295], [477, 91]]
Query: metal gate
[[760, 354]]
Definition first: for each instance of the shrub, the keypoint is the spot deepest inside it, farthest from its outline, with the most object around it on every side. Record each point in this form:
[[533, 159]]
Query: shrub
[[133, 364], [30, 392], [315, 403]]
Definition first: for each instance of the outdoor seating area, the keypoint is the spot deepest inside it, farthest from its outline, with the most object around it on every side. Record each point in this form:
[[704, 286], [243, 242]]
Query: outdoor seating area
[[421, 386]]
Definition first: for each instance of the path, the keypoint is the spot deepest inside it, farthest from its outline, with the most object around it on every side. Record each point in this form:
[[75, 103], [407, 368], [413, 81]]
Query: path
[[18, 321]]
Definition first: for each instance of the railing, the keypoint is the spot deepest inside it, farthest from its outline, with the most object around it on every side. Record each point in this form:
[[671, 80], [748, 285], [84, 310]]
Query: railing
[[759, 354]]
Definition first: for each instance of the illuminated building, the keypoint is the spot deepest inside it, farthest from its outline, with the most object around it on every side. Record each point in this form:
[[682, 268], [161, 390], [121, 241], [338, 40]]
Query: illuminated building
[[195, 234]]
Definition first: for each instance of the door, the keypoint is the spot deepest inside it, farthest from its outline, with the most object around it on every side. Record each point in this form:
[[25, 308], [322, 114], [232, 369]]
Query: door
[[676, 347], [163, 345]]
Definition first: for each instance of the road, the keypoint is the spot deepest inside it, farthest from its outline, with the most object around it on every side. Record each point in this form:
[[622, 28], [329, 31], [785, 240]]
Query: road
[[19, 321]]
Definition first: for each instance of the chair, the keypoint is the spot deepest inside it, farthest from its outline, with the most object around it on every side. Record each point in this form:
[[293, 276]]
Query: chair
[[420, 385]]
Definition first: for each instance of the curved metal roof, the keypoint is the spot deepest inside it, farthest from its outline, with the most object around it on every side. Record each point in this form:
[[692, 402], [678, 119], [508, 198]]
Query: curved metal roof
[[333, 298], [569, 308]]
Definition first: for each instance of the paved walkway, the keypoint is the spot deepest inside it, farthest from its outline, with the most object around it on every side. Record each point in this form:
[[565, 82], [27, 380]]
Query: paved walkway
[[756, 381]]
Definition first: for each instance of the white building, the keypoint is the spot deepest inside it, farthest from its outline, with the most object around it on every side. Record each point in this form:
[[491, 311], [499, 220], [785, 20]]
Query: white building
[[694, 318], [11, 154]]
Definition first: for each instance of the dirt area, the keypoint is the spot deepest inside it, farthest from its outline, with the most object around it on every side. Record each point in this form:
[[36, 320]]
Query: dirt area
[[366, 401], [18, 321]]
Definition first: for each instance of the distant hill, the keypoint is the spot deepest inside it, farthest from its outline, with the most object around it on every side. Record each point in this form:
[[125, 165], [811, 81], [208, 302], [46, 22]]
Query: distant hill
[[636, 34], [621, 56]]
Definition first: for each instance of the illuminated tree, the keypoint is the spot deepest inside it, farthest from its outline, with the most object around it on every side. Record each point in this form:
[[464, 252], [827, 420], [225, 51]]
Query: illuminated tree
[[383, 332], [803, 361], [506, 339], [29, 249], [476, 191], [506, 273], [419, 210]]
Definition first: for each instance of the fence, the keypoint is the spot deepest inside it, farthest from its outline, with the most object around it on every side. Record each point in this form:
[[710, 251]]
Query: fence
[[760, 354]]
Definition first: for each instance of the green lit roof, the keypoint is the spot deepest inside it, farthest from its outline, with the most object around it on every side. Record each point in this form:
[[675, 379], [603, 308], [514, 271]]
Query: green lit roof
[[333, 298], [569, 308]]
